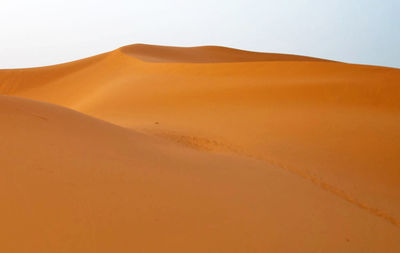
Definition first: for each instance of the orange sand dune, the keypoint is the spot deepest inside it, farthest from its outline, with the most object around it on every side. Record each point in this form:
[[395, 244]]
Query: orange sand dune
[[245, 152], [206, 54]]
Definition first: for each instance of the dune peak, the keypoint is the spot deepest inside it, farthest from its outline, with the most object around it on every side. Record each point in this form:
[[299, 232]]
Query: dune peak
[[204, 54]]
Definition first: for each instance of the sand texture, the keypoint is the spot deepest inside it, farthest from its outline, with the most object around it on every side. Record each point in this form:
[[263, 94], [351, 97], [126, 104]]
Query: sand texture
[[204, 149]]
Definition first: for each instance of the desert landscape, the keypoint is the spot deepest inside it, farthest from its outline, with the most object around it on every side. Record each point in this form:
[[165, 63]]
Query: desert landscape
[[200, 149]]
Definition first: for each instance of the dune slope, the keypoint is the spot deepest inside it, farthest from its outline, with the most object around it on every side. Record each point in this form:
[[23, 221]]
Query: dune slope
[[256, 149], [71, 183]]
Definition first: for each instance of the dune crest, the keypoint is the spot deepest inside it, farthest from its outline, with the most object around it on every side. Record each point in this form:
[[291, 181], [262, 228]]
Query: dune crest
[[204, 54]]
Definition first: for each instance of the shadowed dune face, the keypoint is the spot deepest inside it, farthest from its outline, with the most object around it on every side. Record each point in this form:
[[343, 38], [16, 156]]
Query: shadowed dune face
[[251, 153]]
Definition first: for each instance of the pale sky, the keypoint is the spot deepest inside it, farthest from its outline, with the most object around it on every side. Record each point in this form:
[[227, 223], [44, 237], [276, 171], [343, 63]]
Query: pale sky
[[45, 32]]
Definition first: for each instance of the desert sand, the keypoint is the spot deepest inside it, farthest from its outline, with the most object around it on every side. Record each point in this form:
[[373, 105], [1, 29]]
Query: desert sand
[[205, 149]]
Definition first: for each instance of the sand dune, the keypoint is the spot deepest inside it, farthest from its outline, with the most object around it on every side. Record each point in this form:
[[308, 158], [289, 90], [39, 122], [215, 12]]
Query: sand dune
[[205, 54], [245, 152]]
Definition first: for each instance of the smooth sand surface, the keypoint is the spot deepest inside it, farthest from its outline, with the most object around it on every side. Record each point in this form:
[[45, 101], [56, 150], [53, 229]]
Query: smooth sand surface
[[204, 149]]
